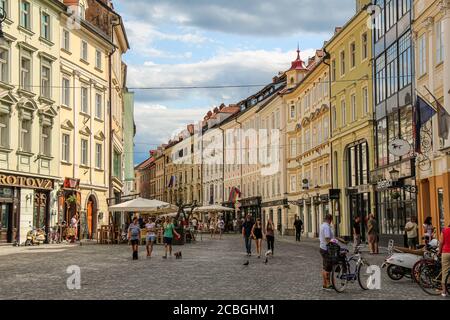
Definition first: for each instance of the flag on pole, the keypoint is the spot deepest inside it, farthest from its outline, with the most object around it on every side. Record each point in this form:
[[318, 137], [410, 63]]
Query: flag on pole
[[234, 193], [422, 114], [443, 118]]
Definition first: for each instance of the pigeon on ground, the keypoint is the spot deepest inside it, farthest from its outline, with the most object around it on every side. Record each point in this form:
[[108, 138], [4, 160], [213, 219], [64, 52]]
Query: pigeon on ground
[[267, 260], [247, 263]]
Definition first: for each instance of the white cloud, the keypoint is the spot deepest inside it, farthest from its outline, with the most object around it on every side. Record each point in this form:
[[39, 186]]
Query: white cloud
[[238, 67]]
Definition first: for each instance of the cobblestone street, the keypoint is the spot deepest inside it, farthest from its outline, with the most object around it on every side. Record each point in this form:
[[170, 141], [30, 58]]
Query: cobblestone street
[[210, 269]]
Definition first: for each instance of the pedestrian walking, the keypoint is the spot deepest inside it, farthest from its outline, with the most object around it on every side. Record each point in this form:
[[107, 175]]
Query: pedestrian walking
[[356, 232], [151, 235], [247, 227], [428, 230], [270, 235], [169, 232], [235, 225], [298, 224], [325, 236], [444, 251], [212, 228], [372, 234], [411, 233], [134, 235], [220, 227], [257, 234], [74, 226]]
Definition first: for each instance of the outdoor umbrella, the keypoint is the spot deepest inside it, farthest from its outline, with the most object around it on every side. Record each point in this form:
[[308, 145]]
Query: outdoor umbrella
[[143, 205]]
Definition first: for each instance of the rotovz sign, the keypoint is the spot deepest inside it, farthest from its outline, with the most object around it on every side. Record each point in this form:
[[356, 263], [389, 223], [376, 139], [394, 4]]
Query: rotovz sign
[[26, 182]]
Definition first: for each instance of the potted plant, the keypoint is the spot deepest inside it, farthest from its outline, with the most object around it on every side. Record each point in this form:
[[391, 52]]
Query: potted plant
[[395, 195], [72, 199]]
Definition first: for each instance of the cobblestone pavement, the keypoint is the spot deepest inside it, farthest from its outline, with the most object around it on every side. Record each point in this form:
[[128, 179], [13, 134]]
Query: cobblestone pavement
[[210, 269]]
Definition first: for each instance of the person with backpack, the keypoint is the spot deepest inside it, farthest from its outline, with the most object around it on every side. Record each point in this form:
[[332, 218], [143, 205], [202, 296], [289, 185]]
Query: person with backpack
[[134, 235]]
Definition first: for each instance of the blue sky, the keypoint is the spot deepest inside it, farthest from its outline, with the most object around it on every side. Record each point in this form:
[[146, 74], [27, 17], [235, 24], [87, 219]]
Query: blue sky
[[213, 42]]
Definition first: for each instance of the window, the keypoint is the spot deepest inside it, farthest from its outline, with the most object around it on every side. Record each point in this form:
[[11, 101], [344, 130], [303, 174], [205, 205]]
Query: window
[[98, 155], [4, 65], [45, 26], [4, 130], [342, 63], [25, 135], [98, 106], [333, 70], [84, 152], [325, 128], [66, 40], [391, 14], [66, 92], [403, 7], [365, 47], [405, 64], [45, 79], [25, 14], [293, 180], [380, 69], [391, 71], [379, 22], [422, 55], [352, 55], [4, 5], [293, 147], [365, 97], [292, 114], [84, 50], [343, 113], [98, 59], [117, 162], [307, 140], [46, 134], [25, 71], [333, 118], [357, 162], [439, 42], [82, 12], [84, 100], [354, 110], [65, 156]]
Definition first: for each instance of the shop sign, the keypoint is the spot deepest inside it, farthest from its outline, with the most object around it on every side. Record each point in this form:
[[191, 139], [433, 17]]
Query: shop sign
[[26, 182], [385, 184], [335, 194], [71, 183]]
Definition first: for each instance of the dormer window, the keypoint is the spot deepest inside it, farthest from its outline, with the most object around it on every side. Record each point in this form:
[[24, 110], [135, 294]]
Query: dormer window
[[82, 12], [292, 80]]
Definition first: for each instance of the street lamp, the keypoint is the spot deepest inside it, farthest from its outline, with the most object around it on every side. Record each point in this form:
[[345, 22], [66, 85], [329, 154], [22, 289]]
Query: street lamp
[[395, 174], [2, 19]]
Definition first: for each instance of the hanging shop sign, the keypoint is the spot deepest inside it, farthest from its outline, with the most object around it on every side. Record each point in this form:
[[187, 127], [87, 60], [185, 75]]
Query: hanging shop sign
[[25, 182], [70, 183]]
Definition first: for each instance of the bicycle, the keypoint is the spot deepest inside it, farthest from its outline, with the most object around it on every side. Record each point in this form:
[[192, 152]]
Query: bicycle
[[349, 269], [430, 278]]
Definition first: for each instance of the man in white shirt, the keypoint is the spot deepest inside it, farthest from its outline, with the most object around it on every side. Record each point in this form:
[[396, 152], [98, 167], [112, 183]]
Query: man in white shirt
[[325, 236]]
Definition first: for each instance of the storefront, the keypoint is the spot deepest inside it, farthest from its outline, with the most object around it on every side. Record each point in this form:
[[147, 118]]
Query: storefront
[[25, 202], [395, 200], [251, 206]]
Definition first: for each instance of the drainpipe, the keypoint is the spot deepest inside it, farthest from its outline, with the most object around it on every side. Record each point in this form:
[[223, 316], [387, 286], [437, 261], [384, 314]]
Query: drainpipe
[[223, 164], [240, 151]]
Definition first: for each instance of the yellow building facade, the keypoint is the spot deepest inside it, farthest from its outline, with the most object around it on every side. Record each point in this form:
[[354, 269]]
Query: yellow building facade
[[352, 145]]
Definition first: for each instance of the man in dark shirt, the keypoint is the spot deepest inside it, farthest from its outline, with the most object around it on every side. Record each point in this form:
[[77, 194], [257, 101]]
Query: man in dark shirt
[[298, 224], [356, 231], [246, 233]]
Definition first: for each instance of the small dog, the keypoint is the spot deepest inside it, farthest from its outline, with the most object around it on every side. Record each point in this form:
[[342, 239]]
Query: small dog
[[178, 255]]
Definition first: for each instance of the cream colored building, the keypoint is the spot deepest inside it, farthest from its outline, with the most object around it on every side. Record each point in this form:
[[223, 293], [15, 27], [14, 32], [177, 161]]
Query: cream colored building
[[307, 141], [431, 31], [29, 117]]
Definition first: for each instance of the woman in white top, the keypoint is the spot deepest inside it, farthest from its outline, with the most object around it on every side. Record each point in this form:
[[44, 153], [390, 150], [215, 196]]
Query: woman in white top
[[151, 235], [428, 230]]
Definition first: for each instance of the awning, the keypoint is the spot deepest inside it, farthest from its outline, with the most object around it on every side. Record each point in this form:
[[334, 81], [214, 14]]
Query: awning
[[143, 205], [213, 209]]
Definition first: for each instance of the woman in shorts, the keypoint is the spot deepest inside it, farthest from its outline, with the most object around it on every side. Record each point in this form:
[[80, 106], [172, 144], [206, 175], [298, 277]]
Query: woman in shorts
[[169, 231], [134, 235], [151, 235]]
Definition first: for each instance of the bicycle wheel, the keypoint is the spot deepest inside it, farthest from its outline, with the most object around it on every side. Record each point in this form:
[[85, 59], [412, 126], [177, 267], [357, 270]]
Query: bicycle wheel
[[447, 283], [430, 280], [364, 277], [417, 268], [339, 277]]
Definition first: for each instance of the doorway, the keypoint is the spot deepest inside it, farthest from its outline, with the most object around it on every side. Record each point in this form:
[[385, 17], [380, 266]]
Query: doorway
[[360, 206], [6, 223], [91, 217]]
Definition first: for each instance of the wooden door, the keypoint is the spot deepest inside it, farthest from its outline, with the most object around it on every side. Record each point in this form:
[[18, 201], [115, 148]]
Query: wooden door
[[89, 218]]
